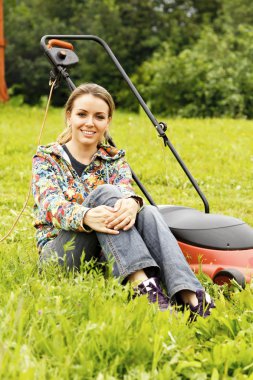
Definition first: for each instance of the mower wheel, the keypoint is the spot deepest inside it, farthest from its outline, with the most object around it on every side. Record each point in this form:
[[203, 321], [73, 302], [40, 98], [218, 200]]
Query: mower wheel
[[226, 275]]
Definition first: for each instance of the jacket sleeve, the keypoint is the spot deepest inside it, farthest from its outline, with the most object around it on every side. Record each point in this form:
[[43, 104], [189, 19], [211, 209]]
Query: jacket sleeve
[[123, 180], [50, 200]]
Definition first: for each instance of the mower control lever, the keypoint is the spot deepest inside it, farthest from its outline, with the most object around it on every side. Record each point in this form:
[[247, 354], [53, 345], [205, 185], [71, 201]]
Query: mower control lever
[[61, 53], [59, 43]]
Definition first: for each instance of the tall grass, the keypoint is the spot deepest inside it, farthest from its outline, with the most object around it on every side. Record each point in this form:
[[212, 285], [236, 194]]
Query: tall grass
[[58, 325]]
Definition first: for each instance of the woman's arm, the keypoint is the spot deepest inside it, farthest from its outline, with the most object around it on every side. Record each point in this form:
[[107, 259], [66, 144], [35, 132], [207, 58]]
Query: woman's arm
[[50, 199]]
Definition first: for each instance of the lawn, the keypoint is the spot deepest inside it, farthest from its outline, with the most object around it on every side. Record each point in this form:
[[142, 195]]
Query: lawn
[[56, 325]]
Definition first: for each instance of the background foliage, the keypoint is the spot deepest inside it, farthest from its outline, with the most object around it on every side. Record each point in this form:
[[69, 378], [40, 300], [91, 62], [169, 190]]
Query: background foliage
[[188, 57]]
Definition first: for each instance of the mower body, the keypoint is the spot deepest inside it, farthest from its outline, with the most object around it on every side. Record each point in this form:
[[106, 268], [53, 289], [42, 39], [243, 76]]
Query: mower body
[[222, 246]]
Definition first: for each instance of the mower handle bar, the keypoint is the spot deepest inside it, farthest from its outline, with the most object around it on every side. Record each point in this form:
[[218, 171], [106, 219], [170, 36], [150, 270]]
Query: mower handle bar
[[156, 124]]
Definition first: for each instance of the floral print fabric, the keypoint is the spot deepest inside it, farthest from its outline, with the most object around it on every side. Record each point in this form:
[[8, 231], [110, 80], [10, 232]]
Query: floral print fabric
[[59, 192]]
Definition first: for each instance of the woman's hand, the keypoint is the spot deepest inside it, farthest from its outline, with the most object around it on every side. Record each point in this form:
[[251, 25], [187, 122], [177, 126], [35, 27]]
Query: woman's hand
[[97, 217], [125, 211]]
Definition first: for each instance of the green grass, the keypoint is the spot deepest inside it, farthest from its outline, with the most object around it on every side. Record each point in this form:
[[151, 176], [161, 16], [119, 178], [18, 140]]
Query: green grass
[[64, 326]]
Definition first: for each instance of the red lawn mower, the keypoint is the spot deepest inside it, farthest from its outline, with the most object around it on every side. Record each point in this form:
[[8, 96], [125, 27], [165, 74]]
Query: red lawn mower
[[221, 245]]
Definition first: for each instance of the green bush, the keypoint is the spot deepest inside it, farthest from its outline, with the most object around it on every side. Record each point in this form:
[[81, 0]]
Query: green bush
[[212, 78]]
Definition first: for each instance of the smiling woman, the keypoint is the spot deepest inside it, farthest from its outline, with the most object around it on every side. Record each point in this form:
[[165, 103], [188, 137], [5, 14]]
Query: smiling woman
[[95, 96], [83, 193], [89, 120]]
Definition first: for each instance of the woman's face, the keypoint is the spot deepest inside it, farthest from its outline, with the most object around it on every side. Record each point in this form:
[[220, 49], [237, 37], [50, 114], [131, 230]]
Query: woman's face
[[89, 120]]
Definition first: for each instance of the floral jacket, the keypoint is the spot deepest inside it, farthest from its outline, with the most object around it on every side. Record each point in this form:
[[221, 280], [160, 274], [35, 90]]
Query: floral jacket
[[59, 192]]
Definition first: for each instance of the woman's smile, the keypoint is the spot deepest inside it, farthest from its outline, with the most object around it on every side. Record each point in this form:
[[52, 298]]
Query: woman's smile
[[88, 133]]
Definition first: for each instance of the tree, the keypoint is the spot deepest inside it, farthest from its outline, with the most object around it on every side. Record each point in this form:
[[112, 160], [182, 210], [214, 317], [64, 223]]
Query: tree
[[3, 88]]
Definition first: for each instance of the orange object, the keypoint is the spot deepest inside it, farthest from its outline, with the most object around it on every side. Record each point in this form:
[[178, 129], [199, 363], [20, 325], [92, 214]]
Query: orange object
[[212, 261], [3, 88], [59, 43]]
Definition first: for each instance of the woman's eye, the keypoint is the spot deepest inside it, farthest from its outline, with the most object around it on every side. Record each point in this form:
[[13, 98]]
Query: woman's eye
[[100, 117], [81, 114]]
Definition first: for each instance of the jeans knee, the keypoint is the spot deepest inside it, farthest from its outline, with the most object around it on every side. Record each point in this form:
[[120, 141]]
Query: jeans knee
[[103, 195], [108, 189], [149, 211], [150, 214]]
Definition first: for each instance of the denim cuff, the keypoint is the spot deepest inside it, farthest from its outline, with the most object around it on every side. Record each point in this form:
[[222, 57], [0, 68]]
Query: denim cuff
[[138, 266]]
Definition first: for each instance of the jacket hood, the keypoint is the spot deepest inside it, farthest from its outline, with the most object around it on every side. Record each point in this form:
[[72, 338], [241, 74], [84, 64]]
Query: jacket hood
[[106, 152]]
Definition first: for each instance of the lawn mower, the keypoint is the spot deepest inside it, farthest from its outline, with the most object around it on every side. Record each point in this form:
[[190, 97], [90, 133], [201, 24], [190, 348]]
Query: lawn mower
[[222, 246]]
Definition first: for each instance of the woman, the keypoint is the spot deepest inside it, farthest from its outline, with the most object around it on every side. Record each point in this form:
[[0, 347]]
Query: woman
[[83, 194]]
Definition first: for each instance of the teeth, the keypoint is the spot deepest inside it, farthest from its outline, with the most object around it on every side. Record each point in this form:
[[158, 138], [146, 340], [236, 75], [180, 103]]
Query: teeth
[[88, 132]]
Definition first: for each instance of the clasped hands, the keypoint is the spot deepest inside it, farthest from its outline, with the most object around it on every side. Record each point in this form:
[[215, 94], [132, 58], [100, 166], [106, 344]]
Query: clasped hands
[[112, 219]]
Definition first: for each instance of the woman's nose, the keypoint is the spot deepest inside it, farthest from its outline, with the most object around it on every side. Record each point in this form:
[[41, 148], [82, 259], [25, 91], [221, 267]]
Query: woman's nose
[[89, 120]]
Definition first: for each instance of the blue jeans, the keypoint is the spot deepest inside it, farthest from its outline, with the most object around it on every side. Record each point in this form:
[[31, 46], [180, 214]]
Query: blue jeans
[[148, 245]]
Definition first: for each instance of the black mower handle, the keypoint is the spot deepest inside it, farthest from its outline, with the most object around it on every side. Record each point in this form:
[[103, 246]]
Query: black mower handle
[[157, 125]]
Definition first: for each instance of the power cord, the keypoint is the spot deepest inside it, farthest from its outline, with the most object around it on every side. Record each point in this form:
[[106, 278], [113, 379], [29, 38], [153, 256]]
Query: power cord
[[52, 84]]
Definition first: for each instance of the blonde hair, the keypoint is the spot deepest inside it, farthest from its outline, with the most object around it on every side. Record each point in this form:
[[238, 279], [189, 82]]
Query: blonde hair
[[84, 89]]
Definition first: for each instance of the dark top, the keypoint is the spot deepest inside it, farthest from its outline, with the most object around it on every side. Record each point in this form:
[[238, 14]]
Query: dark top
[[78, 166]]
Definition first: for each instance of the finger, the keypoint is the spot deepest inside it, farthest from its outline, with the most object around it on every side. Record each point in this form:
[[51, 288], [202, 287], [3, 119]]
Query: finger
[[123, 224], [116, 217], [112, 223], [129, 226], [117, 205], [110, 231]]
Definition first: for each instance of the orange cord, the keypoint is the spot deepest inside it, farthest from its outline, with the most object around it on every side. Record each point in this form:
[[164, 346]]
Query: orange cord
[[30, 186]]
